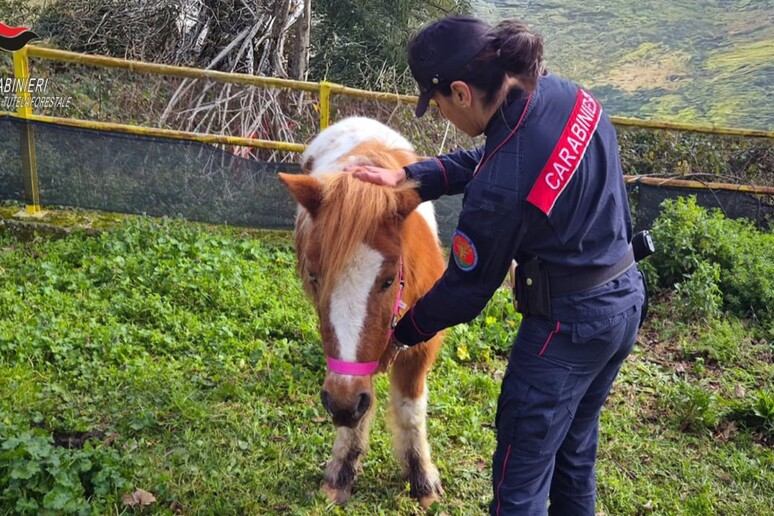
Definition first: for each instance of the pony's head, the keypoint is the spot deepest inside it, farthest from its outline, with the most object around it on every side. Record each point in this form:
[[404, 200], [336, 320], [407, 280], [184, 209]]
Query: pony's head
[[348, 243]]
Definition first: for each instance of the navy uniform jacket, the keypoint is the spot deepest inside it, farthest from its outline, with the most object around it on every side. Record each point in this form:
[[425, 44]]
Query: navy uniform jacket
[[547, 183]]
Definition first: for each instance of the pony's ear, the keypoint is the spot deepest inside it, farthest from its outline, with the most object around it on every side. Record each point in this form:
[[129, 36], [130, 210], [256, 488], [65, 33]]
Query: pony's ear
[[306, 190], [408, 200]]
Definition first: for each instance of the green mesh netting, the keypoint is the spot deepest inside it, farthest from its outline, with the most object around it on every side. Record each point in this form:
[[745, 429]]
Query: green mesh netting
[[123, 173]]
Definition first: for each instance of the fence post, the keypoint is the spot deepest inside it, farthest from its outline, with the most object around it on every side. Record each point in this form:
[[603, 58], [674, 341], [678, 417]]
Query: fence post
[[325, 104], [21, 70]]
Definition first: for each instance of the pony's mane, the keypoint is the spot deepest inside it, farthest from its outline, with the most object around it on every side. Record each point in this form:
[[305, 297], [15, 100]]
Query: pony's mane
[[353, 210], [378, 154]]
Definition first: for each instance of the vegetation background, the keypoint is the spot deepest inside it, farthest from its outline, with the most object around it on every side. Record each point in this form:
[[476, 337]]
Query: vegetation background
[[154, 354], [695, 61]]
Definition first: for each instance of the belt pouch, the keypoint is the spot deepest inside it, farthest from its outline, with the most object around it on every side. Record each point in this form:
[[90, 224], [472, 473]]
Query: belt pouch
[[532, 290]]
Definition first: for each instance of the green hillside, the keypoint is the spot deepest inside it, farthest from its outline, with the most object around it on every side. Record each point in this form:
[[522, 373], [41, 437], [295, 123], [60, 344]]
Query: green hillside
[[709, 62]]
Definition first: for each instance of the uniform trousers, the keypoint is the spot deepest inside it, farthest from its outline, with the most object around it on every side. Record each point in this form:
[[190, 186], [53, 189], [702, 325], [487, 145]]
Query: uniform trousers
[[558, 377]]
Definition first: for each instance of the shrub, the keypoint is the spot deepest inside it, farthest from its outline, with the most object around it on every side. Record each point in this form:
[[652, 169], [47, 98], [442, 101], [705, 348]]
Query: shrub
[[756, 413], [704, 251], [749, 286], [699, 296], [764, 412], [686, 235], [694, 408]]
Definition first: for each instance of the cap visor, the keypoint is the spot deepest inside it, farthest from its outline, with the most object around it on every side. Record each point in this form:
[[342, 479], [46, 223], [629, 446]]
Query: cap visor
[[424, 100]]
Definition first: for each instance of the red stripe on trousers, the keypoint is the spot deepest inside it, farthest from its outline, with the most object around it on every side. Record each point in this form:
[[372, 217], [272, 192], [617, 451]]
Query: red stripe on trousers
[[502, 478], [550, 336]]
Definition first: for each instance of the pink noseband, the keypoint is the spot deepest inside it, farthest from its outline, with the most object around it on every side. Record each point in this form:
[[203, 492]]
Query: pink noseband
[[352, 368], [369, 368]]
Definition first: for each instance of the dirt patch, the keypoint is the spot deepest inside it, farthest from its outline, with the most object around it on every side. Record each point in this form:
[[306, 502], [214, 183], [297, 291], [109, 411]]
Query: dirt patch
[[76, 440], [73, 440]]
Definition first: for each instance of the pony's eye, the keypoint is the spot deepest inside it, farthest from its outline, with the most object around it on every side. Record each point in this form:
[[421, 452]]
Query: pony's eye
[[387, 284], [313, 277]]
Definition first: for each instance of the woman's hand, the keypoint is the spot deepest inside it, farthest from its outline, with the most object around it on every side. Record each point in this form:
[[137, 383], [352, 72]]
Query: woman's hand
[[378, 175]]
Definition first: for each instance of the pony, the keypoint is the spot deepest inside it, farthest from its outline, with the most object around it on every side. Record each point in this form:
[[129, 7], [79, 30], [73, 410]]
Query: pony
[[365, 253]]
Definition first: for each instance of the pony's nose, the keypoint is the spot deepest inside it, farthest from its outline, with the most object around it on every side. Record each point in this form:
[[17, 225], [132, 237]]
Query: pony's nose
[[346, 415]]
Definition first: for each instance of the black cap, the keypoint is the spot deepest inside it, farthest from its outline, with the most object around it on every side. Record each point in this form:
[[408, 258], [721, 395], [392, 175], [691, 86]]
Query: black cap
[[441, 50]]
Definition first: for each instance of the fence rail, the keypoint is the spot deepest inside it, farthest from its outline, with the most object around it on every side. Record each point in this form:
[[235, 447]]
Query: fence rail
[[683, 183], [166, 133], [324, 89]]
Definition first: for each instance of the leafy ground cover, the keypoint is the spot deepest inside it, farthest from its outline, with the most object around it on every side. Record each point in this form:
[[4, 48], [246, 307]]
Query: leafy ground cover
[[184, 360]]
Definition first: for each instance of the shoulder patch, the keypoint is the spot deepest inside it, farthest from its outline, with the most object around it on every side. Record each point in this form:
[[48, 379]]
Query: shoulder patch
[[464, 251]]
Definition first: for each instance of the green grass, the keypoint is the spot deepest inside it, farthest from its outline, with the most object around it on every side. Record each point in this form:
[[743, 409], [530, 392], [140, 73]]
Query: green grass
[[195, 355]]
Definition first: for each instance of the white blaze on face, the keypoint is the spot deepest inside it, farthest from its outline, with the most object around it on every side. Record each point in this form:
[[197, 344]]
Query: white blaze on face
[[349, 300]]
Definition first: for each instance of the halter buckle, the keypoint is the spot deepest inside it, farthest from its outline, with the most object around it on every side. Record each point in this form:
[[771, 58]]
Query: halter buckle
[[397, 346]]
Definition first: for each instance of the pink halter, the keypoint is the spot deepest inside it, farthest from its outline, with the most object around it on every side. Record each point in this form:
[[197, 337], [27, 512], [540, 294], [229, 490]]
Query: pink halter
[[369, 368]]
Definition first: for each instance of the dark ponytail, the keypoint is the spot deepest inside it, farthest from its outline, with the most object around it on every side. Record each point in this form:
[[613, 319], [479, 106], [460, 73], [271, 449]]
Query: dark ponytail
[[519, 51], [513, 49]]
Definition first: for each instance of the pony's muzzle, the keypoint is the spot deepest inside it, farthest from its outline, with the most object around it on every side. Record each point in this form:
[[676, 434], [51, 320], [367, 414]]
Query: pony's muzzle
[[345, 414]]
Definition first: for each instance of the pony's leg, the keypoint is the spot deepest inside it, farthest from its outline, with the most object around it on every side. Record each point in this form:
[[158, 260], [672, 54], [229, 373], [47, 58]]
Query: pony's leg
[[408, 410], [344, 467]]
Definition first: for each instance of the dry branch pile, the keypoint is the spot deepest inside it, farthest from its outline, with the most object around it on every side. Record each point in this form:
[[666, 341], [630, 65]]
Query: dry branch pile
[[257, 37], [253, 37]]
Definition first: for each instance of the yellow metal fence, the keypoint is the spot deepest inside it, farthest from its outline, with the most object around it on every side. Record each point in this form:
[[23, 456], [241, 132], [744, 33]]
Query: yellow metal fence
[[325, 90]]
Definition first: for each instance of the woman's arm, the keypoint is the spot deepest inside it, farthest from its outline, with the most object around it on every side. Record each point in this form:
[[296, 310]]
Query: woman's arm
[[488, 236], [444, 175]]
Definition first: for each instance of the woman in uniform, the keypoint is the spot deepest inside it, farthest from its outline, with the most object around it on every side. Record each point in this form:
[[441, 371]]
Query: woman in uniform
[[546, 190]]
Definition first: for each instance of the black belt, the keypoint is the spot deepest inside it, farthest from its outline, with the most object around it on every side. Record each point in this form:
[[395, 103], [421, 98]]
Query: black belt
[[565, 281]]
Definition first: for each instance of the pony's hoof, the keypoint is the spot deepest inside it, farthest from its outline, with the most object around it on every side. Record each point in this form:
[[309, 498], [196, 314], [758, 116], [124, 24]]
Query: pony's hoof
[[426, 488], [435, 495], [337, 496], [429, 500]]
